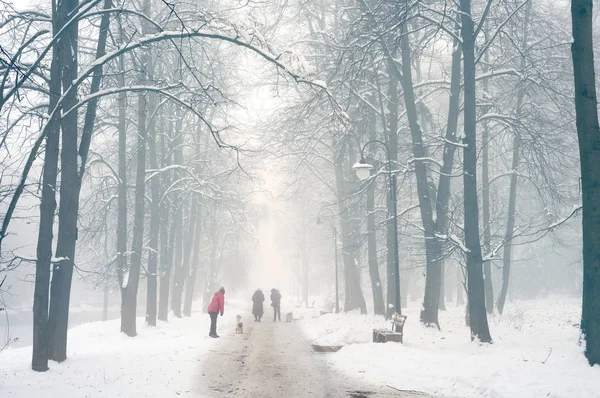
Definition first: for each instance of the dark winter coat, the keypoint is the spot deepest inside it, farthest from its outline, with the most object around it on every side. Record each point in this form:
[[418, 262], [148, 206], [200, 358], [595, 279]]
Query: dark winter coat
[[257, 299], [275, 298]]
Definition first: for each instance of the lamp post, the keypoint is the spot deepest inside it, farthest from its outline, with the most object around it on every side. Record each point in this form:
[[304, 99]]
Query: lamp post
[[363, 171], [337, 298]]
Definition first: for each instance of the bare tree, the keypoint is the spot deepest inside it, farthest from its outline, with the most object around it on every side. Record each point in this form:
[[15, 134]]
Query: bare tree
[[475, 288], [588, 132]]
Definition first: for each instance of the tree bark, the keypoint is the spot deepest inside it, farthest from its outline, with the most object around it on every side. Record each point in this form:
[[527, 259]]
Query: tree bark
[[392, 143], [131, 280], [178, 221], [376, 287], [485, 196], [166, 237], [191, 278], [429, 313], [512, 195], [151, 278], [445, 180], [62, 273], [487, 233], [180, 278], [475, 288], [354, 297], [39, 360], [588, 133]]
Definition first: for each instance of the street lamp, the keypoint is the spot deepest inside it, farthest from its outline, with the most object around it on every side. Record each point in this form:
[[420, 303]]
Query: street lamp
[[363, 171], [337, 298]]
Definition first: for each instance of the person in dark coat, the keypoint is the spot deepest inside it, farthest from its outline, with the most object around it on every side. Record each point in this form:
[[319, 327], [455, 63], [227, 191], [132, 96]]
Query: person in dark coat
[[276, 304], [257, 305]]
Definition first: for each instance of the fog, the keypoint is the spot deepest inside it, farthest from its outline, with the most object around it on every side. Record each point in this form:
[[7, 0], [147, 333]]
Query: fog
[[394, 157]]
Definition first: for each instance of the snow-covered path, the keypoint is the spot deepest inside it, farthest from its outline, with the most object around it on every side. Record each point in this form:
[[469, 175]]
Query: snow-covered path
[[274, 359]]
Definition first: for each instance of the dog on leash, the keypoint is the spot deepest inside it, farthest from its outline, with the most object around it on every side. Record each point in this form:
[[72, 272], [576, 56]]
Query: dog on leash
[[239, 326], [289, 316]]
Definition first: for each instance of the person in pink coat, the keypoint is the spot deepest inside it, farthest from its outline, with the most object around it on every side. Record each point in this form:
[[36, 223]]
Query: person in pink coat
[[217, 304]]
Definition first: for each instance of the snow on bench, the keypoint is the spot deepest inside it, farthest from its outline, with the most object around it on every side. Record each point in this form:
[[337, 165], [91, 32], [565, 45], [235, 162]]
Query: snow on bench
[[394, 335], [328, 308]]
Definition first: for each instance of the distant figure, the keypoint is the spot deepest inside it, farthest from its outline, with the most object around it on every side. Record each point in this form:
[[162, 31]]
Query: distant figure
[[217, 304], [276, 304], [257, 305]]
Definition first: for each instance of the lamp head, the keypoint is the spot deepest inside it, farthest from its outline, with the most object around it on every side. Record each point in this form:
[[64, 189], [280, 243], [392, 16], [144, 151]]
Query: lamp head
[[362, 169]]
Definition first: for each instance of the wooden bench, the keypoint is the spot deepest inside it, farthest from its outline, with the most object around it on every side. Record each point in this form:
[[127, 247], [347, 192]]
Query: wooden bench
[[394, 335], [330, 309]]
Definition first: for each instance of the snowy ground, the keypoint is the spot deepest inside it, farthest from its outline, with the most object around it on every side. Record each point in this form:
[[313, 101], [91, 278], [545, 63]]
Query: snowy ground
[[274, 360], [535, 352], [159, 362], [270, 360]]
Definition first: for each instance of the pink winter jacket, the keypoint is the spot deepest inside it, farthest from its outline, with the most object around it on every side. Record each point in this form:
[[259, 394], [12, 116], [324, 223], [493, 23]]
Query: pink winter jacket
[[217, 303]]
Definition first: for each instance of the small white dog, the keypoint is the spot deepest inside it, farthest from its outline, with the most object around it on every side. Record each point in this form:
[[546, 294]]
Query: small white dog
[[239, 326], [289, 316]]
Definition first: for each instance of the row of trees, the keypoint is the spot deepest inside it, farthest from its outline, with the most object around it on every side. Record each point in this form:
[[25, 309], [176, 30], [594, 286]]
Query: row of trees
[[132, 102], [473, 103]]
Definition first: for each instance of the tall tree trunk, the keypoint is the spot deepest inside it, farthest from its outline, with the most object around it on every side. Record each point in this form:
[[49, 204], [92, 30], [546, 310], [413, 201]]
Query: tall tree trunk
[[443, 293], [62, 272], [73, 162], [487, 233], [354, 297], [151, 278], [588, 133], [392, 143], [485, 196], [178, 221], [177, 252], [131, 280], [166, 235], [475, 288], [39, 360], [429, 314], [166, 260], [445, 179], [121, 242], [376, 287], [191, 277], [512, 194], [188, 241]]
